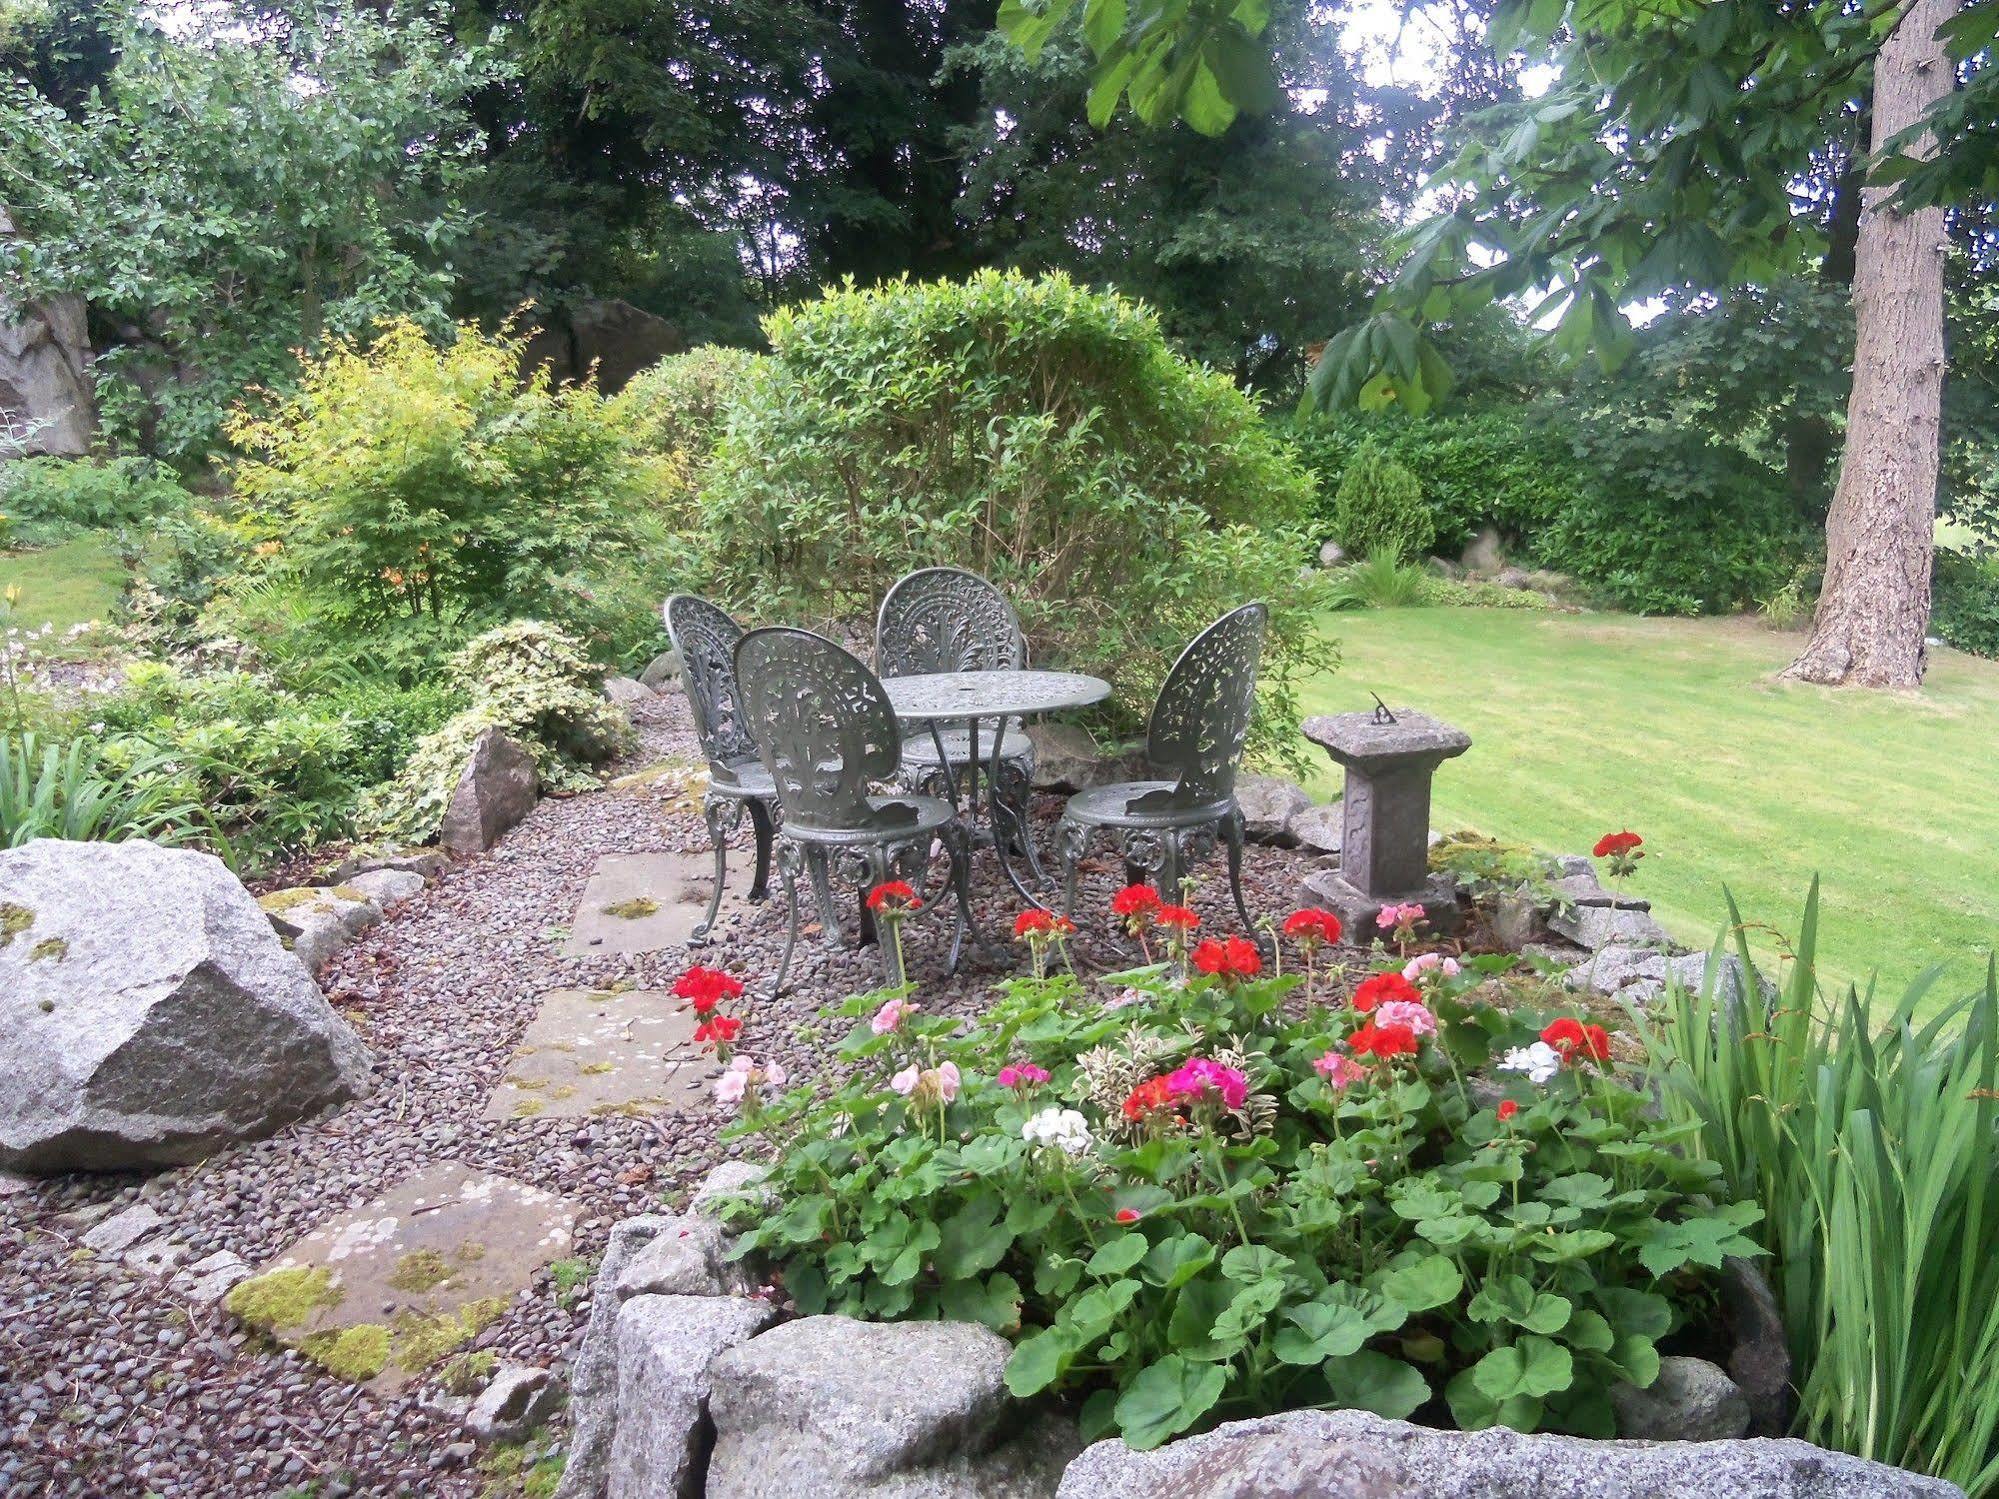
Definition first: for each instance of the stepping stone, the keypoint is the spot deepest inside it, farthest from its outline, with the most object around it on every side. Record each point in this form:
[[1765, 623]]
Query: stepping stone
[[383, 1293], [638, 903], [602, 1051]]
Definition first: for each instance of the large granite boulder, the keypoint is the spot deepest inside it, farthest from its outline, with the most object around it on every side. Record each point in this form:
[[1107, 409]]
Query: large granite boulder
[[1268, 804], [593, 1380], [46, 396], [1355, 1455], [149, 1014], [495, 791], [1691, 1400], [1067, 758], [601, 336], [836, 1408], [666, 1347]]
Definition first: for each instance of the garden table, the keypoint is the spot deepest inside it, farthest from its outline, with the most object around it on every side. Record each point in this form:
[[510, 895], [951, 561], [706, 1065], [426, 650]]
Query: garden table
[[930, 699]]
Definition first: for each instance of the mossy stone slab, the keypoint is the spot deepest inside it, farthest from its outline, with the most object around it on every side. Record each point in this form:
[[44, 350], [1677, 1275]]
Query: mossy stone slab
[[603, 1051], [386, 1291], [636, 903]]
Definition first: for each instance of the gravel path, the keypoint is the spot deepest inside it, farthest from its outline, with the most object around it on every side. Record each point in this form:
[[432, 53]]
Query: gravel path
[[110, 1384]]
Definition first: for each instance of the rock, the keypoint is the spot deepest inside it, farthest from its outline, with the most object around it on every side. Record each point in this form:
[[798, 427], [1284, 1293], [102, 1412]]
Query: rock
[[1443, 567], [118, 1233], [729, 1180], [593, 1378], [1690, 972], [687, 1257], [212, 1278], [602, 335], [1484, 554], [387, 887], [1565, 864], [626, 693], [426, 863], [154, 1257], [1587, 890], [832, 1407], [1516, 921], [1692, 1400], [662, 673], [1514, 577], [46, 389], [1760, 1363], [1066, 758], [1620, 968], [1356, 1455], [495, 791], [519, 1398], [1268, 804], [1317, 828], [1358, 911], [1597, 927], [1558, 954], [316, 921], [1331, 554], [148, 1013], [667, 1346]]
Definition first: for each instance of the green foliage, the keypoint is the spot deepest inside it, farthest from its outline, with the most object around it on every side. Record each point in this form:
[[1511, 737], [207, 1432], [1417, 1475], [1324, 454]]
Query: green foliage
[[1501, 466], [45, 500], [1964, 602], [1378, 509], [241, 187], [1032, 431], [1382, 581], [679, 404], [1390, 1244], [531, 682], [1870, 1146], [404, 480], [77, 791]]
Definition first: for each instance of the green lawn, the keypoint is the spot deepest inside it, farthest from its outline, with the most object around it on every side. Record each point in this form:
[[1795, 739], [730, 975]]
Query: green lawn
[[1583, 724], [64, 585]]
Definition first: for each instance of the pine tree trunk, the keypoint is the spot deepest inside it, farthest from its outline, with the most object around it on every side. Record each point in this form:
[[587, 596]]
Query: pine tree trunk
[[1874, 610]]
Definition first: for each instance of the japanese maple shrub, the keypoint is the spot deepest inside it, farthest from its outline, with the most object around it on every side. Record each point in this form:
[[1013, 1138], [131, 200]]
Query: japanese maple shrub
[[1199, 1190]]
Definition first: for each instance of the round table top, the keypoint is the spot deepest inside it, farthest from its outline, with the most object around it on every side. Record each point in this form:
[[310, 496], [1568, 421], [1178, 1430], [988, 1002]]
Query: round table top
[[991, 694]]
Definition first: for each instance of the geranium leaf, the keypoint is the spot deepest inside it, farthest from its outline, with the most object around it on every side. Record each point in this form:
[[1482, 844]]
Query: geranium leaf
[[1320, 1330], [1371, 1381], [1171, 1263], [1115, 1256], [1430, 1281], [1166, 1398]]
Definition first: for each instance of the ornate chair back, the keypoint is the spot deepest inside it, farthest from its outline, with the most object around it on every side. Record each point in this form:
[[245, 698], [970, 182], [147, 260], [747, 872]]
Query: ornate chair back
[[822, 723], [706, 638], [1200, 719], [946, 619]]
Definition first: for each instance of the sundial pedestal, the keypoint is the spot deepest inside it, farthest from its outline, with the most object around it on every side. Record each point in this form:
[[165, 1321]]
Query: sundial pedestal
[[1385, 837]]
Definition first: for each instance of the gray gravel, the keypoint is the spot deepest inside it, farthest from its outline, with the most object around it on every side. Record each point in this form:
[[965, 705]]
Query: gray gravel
[[111, 1384]]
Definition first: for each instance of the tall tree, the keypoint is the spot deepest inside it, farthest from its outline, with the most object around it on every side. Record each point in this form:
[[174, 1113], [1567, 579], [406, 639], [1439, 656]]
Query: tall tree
[[1670, 152]]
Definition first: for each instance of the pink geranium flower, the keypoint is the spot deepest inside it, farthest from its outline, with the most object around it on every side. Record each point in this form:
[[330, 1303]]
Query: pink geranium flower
[[1430, 962], [892, 1015], [1416, 1017], [1338, 1069], [1022, 1075], [1200, 1076]]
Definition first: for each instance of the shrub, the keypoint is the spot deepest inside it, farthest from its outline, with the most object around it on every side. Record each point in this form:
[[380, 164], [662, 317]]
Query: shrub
[[532, 683], [1673, 522], [1382, 581], [1499, 467], [407, 480], [1213, 1197], [1378, 509], [51, 499], [1030, 430], [678, 405], [1871, 1146], [73, 791], [1964, 607]]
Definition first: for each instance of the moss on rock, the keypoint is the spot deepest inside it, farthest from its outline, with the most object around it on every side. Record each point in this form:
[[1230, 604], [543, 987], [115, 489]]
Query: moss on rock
[[421, 1270], [355, 1353], [421, 1341], [49, 949], [278, 1299], [14, 920], [635, 909]]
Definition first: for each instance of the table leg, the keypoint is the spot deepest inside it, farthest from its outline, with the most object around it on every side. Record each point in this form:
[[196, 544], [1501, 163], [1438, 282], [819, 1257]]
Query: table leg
[[944, 760], [996, 816]]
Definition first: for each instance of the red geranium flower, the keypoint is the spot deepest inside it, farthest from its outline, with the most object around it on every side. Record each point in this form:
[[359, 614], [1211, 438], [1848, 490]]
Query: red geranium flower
[[718, 1029], [1235, 958], [1034, 923], [1383, 1041], [1616, 845], [1506, 1110], [1314, 925], [1377, 988], [1150, 1097], [1180, 918], [1126, 1215], [1576, 1041], [705, 988], [1136, 903], [893, 895]]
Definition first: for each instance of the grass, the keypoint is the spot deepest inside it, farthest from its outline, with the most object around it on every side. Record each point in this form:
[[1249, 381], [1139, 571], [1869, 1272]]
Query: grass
[[65, 585], [1583, 724]]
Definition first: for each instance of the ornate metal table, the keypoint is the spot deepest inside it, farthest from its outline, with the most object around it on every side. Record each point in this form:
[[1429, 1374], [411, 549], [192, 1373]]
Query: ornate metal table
[[969, 697]]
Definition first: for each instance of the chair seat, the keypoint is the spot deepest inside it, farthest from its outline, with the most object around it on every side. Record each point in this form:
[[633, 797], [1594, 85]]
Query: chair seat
[[1140, 804], [918, 748], [741, 778], [891, 819]]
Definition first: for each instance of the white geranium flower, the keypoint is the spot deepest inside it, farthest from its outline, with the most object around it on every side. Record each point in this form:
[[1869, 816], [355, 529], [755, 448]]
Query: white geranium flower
[[1062, 1129], [1540, 1062]]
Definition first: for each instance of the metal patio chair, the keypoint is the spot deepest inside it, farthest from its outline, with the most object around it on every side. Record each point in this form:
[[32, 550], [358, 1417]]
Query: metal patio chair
[[945, 619], [1200, 721], [825, 731], [706, 638]]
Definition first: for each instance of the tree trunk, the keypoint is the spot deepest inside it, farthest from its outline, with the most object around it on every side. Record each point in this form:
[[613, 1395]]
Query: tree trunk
[[1874, 610]]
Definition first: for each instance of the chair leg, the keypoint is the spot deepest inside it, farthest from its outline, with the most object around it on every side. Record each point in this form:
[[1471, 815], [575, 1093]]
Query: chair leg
[[1232, 830], [1072, 841], [877, 872], [959, 846], [788, 861], [765, 827], [719, 819], [1172, 866], [822, 890]]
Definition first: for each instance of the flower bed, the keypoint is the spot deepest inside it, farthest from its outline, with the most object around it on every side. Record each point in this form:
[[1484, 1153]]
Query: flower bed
[[1209, 1187]]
